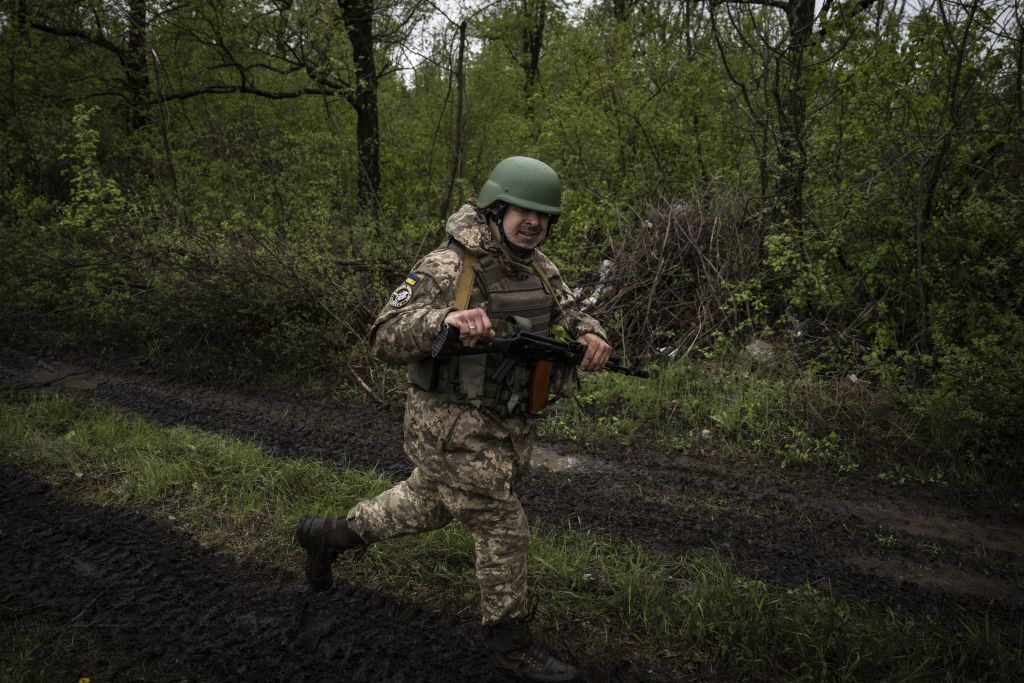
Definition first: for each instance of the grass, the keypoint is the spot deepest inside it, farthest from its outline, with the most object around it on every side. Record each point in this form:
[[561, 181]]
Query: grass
[[786, 415], [32, 650], [691, 609], [789, 416]]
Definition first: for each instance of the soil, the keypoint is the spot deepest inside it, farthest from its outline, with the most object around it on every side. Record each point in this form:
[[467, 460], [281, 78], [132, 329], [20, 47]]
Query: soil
[[132, 585], [186, 613]]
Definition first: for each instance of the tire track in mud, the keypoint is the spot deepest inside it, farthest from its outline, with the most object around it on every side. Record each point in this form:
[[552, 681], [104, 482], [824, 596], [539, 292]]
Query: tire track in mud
[[786, 527], [158, 606], [789, 541]]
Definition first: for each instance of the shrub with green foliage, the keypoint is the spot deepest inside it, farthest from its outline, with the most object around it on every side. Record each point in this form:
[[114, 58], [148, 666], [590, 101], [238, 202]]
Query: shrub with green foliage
[[863, 178]]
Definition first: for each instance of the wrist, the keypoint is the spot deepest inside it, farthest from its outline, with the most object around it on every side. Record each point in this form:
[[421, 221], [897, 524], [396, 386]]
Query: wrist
[[442, 317]]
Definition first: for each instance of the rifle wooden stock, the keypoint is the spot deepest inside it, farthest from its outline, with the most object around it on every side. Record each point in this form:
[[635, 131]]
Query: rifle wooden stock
[[539, 387]]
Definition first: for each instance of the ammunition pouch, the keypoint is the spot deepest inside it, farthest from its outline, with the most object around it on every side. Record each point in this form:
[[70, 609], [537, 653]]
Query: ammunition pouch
[[423, 373]]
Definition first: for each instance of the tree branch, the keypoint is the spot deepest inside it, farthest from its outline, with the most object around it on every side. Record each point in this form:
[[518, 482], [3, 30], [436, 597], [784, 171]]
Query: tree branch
[[779, 4], [97, 40], [245, 90]]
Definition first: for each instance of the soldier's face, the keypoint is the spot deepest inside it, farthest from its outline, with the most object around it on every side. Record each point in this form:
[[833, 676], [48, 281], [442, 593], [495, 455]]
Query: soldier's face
[[524, 228]]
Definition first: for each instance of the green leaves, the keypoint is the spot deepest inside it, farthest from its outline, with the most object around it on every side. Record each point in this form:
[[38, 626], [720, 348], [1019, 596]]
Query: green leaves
[[96, 201], [873, 185]]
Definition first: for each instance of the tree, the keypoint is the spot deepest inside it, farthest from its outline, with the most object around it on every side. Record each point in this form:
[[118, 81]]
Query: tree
[[783, 71], [119, 30], [279, 51]]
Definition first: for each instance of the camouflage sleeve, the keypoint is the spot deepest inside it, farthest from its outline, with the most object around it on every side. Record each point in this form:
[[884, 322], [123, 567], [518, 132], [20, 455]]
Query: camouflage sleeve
[[574, 320], [412, 317]]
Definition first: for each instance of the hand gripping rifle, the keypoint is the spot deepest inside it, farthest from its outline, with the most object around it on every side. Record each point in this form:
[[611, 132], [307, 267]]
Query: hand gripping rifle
[[533, 351]]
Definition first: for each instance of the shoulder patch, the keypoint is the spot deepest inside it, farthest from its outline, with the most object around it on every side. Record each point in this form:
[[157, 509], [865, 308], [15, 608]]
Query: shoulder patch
[[400, 296], [411, 279]]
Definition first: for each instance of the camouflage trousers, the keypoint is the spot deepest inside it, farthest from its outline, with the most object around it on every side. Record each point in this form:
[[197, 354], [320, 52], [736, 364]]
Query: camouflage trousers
[[498, 527]]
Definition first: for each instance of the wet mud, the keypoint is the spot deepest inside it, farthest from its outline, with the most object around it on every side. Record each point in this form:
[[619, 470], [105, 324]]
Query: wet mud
[[910, 551], [145, 602]]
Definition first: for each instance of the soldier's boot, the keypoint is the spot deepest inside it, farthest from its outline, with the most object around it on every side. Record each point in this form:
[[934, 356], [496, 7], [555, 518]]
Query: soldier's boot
[[323, 538], [516, 653]]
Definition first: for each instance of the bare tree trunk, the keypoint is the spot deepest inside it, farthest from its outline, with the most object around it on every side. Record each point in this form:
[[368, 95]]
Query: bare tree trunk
[[22, 18], [19, 51], [937, 167], [793, 112], [136, 66], [458, 160], [621, 9], [1018, 95], [784, 90], [129, 50], [691, 5], [535, 14], [358, 18]]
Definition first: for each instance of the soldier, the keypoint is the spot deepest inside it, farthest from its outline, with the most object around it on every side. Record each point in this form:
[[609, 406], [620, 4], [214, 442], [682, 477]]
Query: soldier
[[469, 436]]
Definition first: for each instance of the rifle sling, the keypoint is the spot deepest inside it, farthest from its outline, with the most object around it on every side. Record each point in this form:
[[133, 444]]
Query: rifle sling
[[464, 287]]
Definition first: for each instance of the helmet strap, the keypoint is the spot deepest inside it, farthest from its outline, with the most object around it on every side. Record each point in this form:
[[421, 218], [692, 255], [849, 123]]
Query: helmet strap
[[499, 219]]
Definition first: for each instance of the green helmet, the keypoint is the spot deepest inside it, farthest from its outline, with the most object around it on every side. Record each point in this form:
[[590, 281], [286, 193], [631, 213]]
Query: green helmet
[[525, 182]]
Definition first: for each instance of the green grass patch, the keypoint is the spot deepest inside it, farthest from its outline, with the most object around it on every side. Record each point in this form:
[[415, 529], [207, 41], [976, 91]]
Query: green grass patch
[[236, 497], [742, 408], [32, 649], [223, 487]]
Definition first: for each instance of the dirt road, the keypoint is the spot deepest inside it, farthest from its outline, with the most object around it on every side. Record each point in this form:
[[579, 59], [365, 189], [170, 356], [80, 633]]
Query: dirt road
[[906, 550]]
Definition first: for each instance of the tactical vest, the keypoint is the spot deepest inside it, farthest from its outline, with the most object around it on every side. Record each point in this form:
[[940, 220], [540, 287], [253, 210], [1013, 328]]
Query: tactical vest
[[517, 299]]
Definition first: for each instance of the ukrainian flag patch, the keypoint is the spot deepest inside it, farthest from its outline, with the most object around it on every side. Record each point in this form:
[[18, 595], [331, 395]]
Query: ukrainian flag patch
[[411, 279]]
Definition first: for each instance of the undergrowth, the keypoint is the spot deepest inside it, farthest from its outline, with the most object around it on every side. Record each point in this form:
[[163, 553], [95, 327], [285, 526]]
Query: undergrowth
[[236, 497], [740, 408]]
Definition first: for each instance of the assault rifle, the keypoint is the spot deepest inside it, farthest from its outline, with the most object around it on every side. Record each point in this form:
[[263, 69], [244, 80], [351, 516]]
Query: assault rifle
[[529, 350]]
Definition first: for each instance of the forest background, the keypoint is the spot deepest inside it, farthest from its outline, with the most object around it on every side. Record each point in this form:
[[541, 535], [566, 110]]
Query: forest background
[[813, 210]]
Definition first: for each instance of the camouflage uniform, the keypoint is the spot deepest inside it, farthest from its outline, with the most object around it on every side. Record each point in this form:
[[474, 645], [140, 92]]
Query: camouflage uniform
[[467, 459]]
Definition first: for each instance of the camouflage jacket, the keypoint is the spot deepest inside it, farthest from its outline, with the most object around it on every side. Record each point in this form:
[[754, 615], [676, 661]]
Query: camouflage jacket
[[460, 445]]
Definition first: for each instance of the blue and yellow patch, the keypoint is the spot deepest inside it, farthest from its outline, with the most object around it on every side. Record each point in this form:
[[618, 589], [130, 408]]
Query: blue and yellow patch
[[401, 296]]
